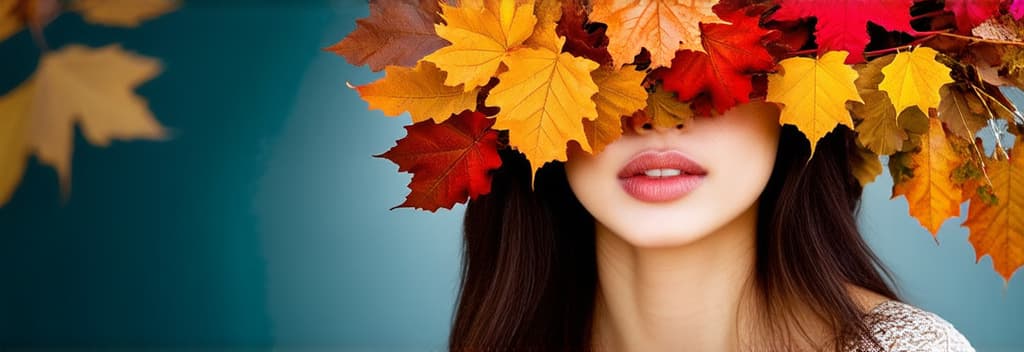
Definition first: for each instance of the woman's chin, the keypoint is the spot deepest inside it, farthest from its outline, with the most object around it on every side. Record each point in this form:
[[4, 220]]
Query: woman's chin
[[661, 234]]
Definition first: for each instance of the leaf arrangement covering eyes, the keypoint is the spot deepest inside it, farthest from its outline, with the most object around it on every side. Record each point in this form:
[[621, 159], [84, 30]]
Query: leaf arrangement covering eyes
[[917, 80]]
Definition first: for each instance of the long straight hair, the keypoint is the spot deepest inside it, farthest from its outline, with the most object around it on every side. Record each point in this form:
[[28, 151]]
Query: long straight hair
[[529, 269]]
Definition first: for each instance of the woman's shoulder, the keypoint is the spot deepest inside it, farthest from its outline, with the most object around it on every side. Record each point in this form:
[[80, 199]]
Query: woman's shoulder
[[897, 326]]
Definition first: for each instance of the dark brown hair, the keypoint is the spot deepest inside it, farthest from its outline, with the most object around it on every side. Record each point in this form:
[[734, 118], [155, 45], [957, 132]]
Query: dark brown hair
[[529, 272]]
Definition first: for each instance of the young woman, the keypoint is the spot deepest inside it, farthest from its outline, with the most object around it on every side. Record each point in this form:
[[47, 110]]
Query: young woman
[[720, 235]]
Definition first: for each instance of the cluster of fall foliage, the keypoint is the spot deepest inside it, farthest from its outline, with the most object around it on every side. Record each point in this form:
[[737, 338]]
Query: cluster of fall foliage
[[916, 79], [75, 84]]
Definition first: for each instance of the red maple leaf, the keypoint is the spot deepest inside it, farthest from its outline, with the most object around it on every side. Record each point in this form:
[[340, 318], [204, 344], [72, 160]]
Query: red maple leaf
[[843, 24], [582, 39], [398, 32], [723, 74], [449, 161], [971, 13]]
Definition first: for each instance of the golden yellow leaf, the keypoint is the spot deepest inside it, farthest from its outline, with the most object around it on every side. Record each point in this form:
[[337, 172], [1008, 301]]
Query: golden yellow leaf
[[914, 78], [664, 109], [931, 194], [661, 26], [13, 150], [997, 229], [544, 97], [619, 93], [481, 39], [122, 13], [420, 91], [813, 93], [95, 89], [548, 13]]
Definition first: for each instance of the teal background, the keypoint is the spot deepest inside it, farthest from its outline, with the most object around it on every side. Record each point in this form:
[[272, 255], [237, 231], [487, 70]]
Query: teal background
[[263, 224]]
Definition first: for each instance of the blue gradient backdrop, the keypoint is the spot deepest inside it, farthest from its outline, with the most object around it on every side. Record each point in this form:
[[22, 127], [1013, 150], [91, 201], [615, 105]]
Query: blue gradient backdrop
[[263, 223]]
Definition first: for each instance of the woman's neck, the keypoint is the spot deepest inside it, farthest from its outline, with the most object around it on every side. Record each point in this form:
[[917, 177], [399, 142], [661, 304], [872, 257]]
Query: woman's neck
[[687, 297]]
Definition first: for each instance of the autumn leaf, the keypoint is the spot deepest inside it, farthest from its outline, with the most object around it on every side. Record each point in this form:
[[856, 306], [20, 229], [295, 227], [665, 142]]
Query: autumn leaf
[[970, 13], [866, 166], [544, 97], [582, 40], [661, 26], [664, 109], [481, 39], [813, 94], [914, 78], [997, 229], [420, 91], [732, 53], [16, 14], [122, 13], [397, 32], [879, 130], [548, 12], [1017, 9], [14, 152], [93, 88], [962, 111], [931, 194], [10, 23], [843, 24], [619, 93], [450, 161]]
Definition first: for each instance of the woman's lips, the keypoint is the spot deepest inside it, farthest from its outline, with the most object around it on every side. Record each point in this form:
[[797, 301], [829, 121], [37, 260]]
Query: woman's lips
[[660, 176]]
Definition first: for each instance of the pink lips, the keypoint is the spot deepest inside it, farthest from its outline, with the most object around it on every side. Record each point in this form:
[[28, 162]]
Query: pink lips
[[639, 185]]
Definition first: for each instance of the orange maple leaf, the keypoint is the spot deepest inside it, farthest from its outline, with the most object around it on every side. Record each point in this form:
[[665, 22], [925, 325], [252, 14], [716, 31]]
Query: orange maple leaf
[[931, 194], [661, 26], [997, 229]]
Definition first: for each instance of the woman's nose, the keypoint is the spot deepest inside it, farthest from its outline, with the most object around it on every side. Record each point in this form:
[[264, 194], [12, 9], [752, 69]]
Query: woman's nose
[[641, 124]]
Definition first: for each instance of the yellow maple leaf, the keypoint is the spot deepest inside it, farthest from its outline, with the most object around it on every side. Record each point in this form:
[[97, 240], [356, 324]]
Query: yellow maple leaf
[[664, 109], [544, 97], [420, 91], [548, 13], [619, 93], [661, 26], [481, 39], [914, 78], [931, 195], [997, 229], [122, 13], [813, 93], [93, 88]]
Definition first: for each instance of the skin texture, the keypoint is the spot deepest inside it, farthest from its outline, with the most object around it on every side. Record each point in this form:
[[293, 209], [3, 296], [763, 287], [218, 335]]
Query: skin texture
[[677, 275], [737, 149]]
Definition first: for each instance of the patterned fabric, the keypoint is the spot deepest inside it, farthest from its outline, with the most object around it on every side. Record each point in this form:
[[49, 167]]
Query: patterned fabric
[[899, 327]]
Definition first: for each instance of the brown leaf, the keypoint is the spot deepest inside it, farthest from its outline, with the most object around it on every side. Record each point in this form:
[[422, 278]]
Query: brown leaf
[[878, 130], [866, 166], [397, 32], [962, 111]]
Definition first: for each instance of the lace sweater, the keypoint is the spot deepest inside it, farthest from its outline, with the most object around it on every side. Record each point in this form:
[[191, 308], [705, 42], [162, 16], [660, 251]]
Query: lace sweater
[[899, 327]]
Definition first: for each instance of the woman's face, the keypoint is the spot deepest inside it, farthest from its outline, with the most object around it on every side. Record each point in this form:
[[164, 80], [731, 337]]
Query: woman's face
[[666, 186]]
